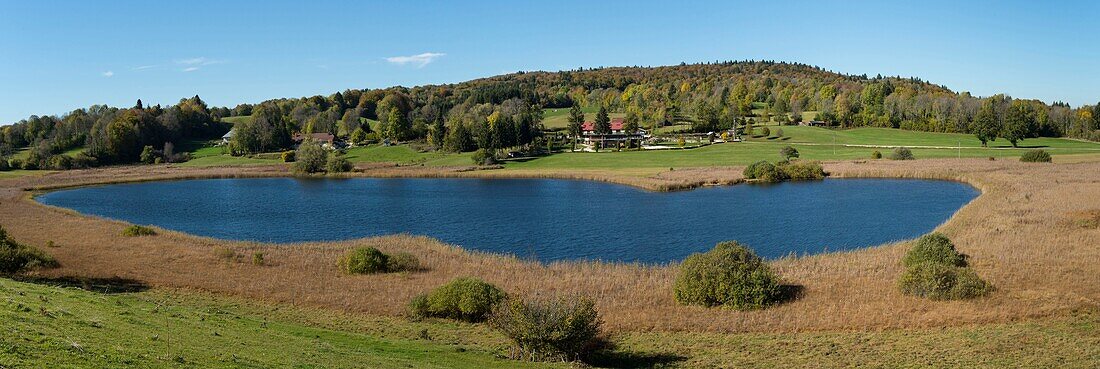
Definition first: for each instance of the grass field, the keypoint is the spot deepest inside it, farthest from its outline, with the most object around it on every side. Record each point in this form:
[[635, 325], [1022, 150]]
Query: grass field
[[66, 327], [559, 118], [54, 327]]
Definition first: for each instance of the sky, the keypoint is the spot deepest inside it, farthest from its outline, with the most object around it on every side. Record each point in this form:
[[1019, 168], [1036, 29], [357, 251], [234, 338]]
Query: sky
[[56, 56]]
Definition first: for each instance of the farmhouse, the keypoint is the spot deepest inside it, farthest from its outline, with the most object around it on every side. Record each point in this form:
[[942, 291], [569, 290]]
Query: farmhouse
[[618, 134], [327, 140], [816, 123], [228, 136]]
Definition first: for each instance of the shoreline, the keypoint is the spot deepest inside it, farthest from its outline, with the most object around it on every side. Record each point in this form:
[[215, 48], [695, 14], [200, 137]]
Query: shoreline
[[633, 297]]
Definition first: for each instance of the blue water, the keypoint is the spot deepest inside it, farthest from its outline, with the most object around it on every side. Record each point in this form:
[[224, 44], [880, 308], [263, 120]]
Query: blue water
[[543, 219]]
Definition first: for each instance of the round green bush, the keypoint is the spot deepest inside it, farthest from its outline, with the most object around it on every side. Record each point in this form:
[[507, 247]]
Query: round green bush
[[942, 282], [467, 299], [287, 156], [1035, 156], [876, 155], [484, 157], [338, 164], [934, 248], [549, 329], [764, 172], [902, 153], [402, 262], [729, 275], [363, 260]]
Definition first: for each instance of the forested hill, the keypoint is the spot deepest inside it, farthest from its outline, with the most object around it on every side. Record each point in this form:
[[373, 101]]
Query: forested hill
[[506, 111]]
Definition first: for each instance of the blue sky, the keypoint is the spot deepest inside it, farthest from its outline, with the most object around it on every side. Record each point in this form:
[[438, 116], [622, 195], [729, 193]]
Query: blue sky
[[56, 56]]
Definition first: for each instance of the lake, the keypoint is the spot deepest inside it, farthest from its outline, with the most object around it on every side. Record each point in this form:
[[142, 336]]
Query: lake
[[541, 219]]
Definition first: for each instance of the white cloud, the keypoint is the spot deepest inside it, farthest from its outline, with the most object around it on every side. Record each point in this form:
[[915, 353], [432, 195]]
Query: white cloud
[[193, 64], [144, 67], [420, 60], [108, 73]]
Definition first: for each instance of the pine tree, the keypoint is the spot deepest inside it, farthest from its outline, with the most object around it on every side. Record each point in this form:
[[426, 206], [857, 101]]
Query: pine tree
[[603, 122]]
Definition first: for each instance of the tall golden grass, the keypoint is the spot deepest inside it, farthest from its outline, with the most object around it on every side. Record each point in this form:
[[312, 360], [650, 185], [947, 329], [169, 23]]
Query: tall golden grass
[[1017, 234]]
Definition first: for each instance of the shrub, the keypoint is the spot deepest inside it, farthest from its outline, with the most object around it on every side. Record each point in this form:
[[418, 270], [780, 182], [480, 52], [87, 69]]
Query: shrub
[[310, 157], [788, 152], [363, 260], [934, 248], [556, 329], [337, 164], [802, 171], [484, 157], [765, 132], [148, 155], [764, 172], [942, 282], [876, 155], [16, 257], [16, 164], [225, 253], [136, 231], [1035, 156], [4, 165], [287, 156], [729, 275], [258, 258], [467, 299], [402, 262], [901, 153]]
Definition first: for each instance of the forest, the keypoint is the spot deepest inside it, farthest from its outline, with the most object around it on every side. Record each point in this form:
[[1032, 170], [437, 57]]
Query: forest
[[505, 111]]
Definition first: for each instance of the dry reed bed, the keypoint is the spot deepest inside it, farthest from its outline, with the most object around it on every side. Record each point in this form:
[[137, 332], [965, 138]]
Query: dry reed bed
[[1016, 233]]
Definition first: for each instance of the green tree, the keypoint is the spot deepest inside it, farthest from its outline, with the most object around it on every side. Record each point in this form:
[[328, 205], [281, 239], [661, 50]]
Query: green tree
[[122, 137], [148, 154], [603, 122], [1019, 123], [985, 125], [576, 123], [310, 157], [437, 133], [358, 136], [788, 153]]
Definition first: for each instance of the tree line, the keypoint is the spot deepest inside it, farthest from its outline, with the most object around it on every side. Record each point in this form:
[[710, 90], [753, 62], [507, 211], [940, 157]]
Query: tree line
[[504, 112]]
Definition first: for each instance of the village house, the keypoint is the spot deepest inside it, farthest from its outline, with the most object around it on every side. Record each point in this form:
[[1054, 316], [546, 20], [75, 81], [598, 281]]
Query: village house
[[815, 123], [618, 134], [327, 140], [228, 136]]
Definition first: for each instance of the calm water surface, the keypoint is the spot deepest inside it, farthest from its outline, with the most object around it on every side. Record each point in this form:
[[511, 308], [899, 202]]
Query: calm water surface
[[544, 219]]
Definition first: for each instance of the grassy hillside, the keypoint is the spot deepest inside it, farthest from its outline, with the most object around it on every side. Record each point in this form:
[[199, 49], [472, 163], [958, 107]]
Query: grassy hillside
[[57, 327], [71, 328]]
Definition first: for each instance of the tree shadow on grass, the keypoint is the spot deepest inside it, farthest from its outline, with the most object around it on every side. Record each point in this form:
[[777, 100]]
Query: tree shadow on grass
[[627, 360], [789, 293], [99, 285]]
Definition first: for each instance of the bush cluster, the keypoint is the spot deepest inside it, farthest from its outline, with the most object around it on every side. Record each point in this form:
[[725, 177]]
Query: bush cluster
[[484, 157], [1035, 156], [287, 156], [764, 171], [802, 170], [468, 299], [935, 270], [16, 257], [136, 231], [369, 260], [549, 329], [876, 155], [730, 275], [337, 164], [4, 165], [902, 153]]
